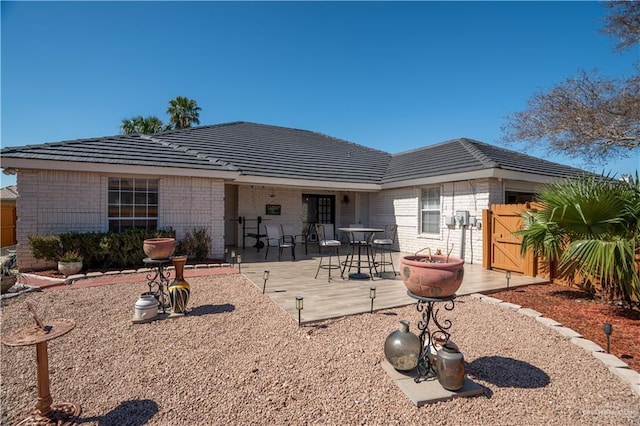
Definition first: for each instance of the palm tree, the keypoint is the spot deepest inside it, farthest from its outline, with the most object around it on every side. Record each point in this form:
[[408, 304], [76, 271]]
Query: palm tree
[[143, 125], [591, 226], [183, 112]]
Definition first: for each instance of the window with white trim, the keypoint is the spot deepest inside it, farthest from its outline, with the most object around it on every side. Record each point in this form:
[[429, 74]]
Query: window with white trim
[[132, 203], [430, 210]]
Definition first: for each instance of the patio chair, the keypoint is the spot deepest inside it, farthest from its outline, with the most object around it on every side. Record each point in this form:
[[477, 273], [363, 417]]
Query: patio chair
[[327, 241], [384, 246], [275, 238], [309, 236], [289, 233]]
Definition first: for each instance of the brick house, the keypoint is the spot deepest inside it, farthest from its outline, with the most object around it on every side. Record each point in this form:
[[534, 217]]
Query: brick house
[[210, 176]]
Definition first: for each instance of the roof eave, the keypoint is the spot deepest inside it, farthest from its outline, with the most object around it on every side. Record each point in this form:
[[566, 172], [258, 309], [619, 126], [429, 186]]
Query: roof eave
[[307, 183], [110, 168], [472, 175]]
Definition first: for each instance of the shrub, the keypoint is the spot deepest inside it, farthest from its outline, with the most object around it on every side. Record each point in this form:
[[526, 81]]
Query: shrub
[[99, 250], [195, 244], [46, 247]]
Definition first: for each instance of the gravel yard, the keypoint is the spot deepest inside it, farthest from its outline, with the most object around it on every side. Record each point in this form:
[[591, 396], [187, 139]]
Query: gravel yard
[[238, 359]]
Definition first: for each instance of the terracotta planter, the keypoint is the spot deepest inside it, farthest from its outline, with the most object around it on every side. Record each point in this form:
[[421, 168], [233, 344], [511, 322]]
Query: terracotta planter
[[159, 248], [432, 276], [69, 268]]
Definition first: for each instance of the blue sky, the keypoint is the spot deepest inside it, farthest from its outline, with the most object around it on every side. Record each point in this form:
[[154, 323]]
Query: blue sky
[[388, 75]]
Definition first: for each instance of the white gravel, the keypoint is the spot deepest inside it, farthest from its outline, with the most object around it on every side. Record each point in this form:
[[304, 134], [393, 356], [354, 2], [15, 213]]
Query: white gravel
[[239, 359]]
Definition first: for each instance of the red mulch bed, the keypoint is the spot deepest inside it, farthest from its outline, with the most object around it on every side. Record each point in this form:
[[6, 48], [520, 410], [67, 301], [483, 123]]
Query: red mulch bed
[[578, 310]]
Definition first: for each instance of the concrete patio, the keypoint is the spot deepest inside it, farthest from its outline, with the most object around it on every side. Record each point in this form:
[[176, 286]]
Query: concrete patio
[[340, 297]]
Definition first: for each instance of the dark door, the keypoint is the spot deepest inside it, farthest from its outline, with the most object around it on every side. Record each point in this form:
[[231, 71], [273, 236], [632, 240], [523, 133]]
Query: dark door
[[318, 209]]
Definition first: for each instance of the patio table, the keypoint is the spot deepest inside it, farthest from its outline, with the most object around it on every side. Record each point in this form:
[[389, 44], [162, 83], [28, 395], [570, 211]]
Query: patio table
[[351, 231]]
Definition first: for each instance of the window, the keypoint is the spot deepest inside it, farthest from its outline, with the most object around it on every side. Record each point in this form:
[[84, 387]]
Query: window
[[517, 197], [133, 203], [430, 210]]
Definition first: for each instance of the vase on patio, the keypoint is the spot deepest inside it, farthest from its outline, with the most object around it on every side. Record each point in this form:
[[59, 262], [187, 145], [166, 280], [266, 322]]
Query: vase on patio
[[432, 275], [179, 289], [159, 248]]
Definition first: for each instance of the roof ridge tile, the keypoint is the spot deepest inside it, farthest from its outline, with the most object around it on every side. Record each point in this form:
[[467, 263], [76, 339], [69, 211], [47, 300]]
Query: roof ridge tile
[[471, 146]]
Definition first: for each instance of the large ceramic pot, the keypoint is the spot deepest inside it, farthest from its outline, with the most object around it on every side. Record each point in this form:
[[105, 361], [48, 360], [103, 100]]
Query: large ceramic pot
[[432, 276], [69, 268], [159, 248]]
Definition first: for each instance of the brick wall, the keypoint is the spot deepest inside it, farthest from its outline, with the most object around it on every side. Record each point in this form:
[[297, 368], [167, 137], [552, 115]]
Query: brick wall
[[402, 206], [186, 203], [53, 202], [252, 200], [56, 202]]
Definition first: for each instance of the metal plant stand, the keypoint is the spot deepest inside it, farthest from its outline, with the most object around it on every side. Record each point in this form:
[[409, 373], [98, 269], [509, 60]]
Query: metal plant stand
[[158, 281], [38, 334], [433, 330]]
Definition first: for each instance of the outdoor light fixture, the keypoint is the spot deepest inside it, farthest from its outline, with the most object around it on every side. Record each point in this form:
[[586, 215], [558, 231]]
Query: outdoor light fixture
[[508, 278], [608, 328], [239, 264], [233, 257], [265, 277], [299, 306], [226, 251], [372, 295]]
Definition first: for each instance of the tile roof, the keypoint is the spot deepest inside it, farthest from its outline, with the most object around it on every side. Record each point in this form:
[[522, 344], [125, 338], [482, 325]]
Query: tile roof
[[467, 155], [138, 150], [9, 193], [271, 151]]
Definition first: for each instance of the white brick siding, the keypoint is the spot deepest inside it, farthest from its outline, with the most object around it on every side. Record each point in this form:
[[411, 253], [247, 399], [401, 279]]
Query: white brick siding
[[54, 202], [402, 206], [253, 199], [187, 203]]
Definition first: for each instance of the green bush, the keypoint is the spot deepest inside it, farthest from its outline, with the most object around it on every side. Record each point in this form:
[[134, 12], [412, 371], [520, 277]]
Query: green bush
[[100, 250], [46, 247], [195, 244]]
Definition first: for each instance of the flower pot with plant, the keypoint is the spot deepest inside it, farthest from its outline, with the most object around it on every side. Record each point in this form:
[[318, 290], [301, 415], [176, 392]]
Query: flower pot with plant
[[70, 263]]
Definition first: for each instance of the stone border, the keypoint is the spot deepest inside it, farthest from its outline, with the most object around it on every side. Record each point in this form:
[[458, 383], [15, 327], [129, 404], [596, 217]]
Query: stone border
[[618, 367], [73, 278]]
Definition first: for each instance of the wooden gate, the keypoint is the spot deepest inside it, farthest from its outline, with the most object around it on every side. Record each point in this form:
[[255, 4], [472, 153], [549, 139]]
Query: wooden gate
[[8, 220], [501, 248]]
